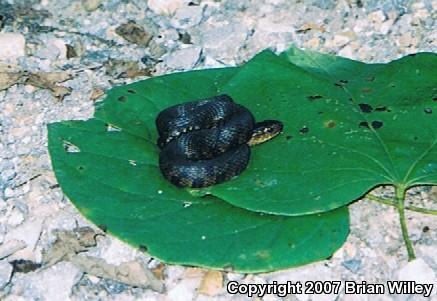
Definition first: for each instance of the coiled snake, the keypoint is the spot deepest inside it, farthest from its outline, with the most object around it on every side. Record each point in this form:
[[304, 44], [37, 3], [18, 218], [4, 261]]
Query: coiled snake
[[206, 142]]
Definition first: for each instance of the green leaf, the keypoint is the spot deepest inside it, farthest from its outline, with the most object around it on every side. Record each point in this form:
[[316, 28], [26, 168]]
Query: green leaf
[[329, 153], [112, 177]]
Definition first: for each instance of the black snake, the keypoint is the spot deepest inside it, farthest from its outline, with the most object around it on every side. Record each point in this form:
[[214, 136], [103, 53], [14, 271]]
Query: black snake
[[206, 142]]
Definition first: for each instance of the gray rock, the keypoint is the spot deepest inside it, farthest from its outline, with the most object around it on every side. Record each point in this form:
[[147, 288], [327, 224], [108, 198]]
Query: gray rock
[[13, 46], [400, 6], [353, 265], [187, 17], [183, 59], [324, 4], [54, 283], [5, 273], [222, 41], [91, 5]]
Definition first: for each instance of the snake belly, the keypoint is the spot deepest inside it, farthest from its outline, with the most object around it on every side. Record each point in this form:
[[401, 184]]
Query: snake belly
[[204, 142]]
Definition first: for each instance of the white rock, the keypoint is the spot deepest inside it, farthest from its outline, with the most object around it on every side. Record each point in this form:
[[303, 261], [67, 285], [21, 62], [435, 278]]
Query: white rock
[[5, 273], [184, 290], [54, 283], [419, 271], [314, 272], [223, 42], [91, 5], [346, 52], [376, 17], [183, 59], [16, 217], [9, 192], [166, 7], [187, 17], [12, 46], [10, 247], [29, 232]]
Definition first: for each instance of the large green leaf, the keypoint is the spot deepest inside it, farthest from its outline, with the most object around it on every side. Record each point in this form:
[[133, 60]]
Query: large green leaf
[[112, 177], [329, 153]]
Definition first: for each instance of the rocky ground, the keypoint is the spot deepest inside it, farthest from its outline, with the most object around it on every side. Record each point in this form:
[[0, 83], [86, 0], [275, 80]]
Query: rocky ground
[[58, 57]]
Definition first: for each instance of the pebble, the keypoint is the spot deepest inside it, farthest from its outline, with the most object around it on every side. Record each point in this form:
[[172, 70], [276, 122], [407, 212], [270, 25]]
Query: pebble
[[9, 247], [184, 290], [166, 7], [417, 270], [222, 42], [182, 59], [54, 283], [134, 33], [12, 46], [91, 5], [5, 273], [187, 17]]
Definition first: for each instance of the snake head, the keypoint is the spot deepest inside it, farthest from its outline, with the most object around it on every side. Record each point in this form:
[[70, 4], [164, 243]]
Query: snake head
[[265, 130]]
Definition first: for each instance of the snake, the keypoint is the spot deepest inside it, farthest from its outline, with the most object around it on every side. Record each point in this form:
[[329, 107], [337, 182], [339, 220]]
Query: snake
[[207, 141]]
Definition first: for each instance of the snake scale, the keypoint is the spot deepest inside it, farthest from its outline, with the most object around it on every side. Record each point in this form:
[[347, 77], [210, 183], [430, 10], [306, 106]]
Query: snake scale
[[207, 141]]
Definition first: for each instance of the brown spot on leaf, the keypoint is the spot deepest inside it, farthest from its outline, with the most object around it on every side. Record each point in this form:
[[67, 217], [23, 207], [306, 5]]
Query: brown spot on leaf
[[428, 110], [122, 99], [330, 124], [366, 90], [370, 78], [288, 137], [131, 91]]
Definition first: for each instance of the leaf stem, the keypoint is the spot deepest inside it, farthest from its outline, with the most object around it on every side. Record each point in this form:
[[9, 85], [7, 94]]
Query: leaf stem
[[393, 204], [400, 205]]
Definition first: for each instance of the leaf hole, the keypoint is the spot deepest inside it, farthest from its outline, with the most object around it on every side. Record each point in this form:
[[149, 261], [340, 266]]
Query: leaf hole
[[131, 91], [377, 124], [365, 108], [142, 248], [363, 124], [187, 204], [80, 168], [304, 130], [70, 147], [428, 110], [382, 109], [112, 128], [314, 97], [103, 227]]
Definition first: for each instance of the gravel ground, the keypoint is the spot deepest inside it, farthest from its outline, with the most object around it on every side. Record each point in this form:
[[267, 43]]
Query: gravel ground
[[94, 45]]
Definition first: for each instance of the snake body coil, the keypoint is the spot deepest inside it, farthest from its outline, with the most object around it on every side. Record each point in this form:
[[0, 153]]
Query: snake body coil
[[206, 142]]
